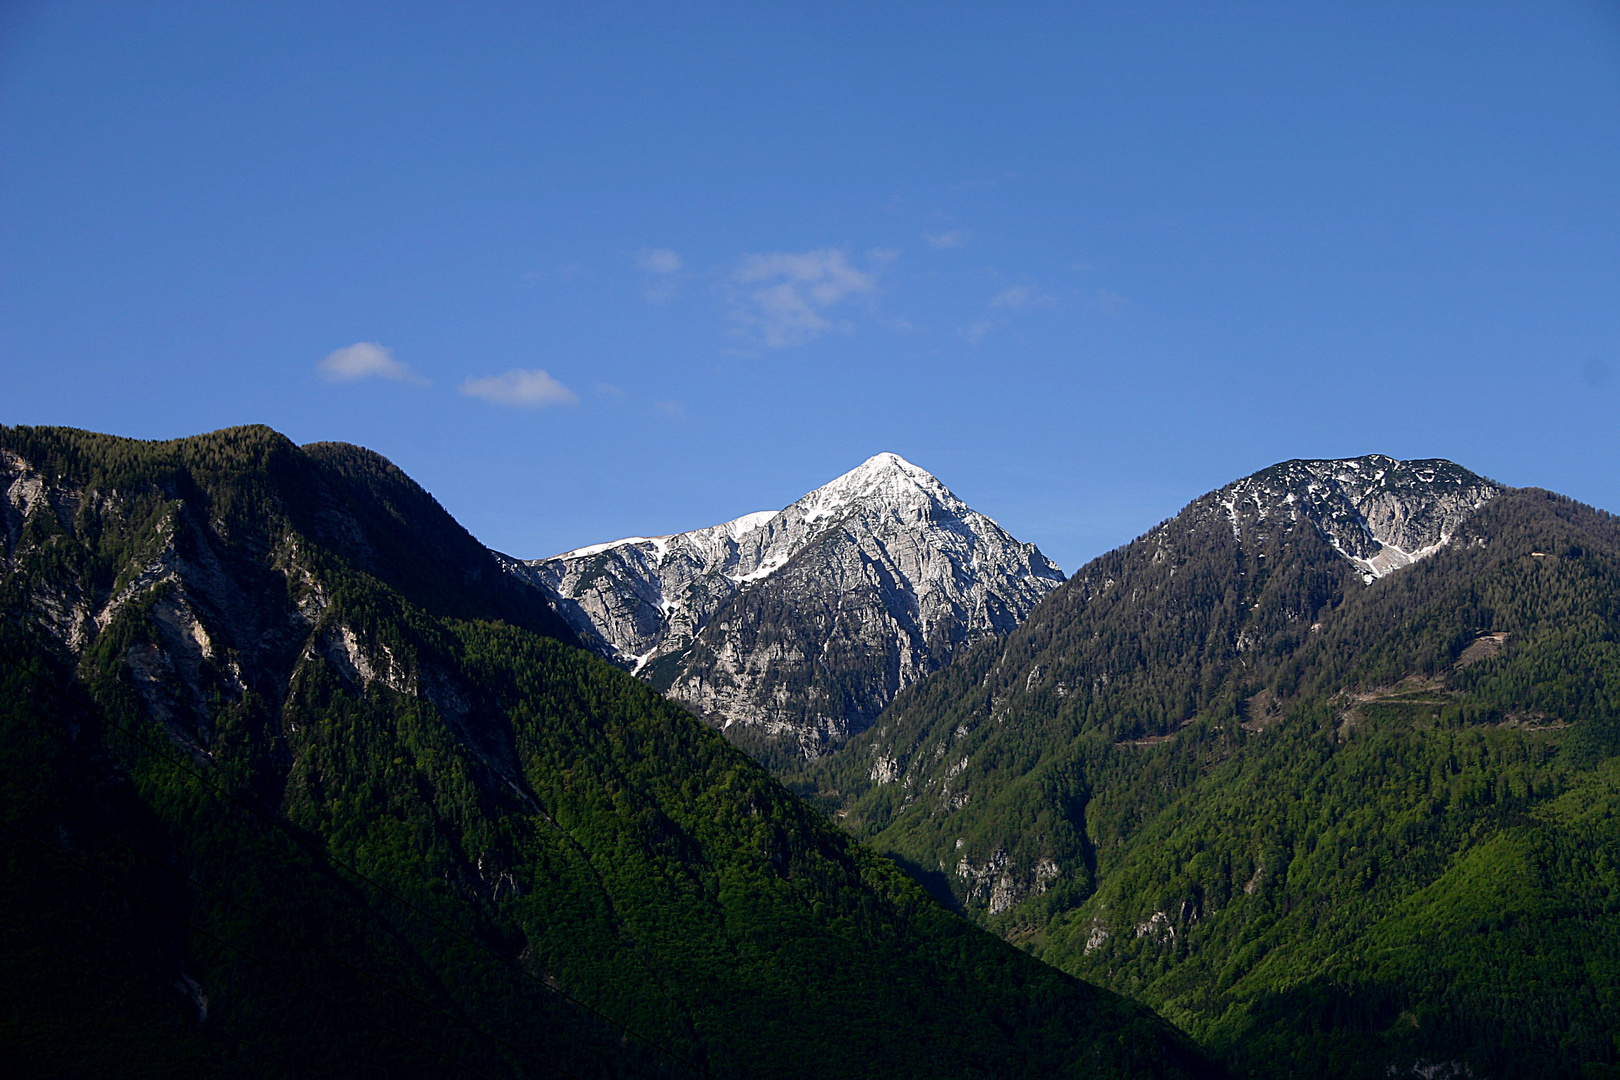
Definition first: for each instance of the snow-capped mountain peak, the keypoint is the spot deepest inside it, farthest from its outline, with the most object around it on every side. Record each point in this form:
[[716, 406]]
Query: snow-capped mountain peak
[[882, 560], [885, 472], [887, 479]]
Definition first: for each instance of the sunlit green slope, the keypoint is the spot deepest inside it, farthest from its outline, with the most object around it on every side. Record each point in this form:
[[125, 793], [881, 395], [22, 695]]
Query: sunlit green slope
[[1331, 826]]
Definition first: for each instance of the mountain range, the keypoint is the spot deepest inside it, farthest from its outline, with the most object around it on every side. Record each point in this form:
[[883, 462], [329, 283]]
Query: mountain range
[[792, 630], [1323, 768], [1323, 771], [299, 781]]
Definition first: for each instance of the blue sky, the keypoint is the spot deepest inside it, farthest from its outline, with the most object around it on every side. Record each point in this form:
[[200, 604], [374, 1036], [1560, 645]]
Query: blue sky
[[588, 271]]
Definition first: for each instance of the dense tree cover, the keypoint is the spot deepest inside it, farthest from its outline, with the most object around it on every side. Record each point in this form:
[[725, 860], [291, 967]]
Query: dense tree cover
[[1327, 827], [338, 800]]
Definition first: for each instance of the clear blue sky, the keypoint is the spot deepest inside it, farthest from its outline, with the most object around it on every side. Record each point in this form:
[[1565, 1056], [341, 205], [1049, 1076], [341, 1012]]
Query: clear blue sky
[[1084, 262]]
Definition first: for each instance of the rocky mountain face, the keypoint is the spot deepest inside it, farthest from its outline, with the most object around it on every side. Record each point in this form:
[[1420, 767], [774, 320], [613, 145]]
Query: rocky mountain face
[[792, 630], [300, 782], [236, 596], [1256, 765], [1379, 513]]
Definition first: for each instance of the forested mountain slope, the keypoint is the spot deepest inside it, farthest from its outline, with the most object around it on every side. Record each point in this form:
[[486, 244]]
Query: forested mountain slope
[[1336, 812], [792, 630], [296, 783]]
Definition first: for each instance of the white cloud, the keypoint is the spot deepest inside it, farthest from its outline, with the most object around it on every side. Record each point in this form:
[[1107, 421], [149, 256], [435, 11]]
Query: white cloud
[[663, 267], [782, 297], [658, 260], [365, 360], [955, 238], [675, 410], [519, 387]]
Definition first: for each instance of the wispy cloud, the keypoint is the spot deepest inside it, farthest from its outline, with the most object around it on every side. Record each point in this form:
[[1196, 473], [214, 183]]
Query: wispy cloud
[[520, 387], [366, 360], [944, 241], [658, 260], [675, 410], [783, 298], [663, 269], [1010, 302]]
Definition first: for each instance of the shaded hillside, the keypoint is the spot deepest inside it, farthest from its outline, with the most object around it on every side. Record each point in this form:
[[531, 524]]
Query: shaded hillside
[[1330, 822], [340, 800]]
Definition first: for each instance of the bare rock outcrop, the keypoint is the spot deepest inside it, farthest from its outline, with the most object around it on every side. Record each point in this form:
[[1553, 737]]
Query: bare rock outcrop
[[792, 630]]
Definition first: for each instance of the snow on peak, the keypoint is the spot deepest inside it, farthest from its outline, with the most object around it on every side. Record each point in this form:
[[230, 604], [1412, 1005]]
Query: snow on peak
[[748, 522], [1378, 512], [882, 466], [596, 549], [660, 545], [886, 478], [649, 598]]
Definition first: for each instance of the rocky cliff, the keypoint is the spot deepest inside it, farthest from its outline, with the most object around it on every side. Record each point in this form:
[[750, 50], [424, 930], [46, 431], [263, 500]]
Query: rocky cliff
[[792, 630], [1379, 513]]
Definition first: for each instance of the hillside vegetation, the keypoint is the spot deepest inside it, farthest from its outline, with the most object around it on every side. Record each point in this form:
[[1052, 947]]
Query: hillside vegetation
[[297, 783], [1329, 826]]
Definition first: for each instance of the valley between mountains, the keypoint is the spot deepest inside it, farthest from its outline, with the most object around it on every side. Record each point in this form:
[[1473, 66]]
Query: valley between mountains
[[1319, 777]]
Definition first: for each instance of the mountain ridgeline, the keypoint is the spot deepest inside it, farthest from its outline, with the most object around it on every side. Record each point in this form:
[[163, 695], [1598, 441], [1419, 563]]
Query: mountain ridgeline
[[792, 630], [1323, 768], [298, 781]]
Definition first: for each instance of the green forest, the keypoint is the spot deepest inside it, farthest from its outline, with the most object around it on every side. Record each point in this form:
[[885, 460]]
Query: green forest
[[297, 783], [1328, 827]]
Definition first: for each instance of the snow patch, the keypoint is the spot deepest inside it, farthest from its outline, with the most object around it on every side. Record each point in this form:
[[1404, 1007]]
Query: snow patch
[[597, 549]]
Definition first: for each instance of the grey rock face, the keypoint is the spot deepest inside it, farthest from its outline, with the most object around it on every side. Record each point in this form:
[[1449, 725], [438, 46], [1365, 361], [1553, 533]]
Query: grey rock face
[[226, 615], [207, 624], [637, 600], [801, 625], [1379, 513]]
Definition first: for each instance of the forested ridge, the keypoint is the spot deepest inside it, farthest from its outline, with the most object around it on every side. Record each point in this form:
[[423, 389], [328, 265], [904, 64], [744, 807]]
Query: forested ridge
[[1329, 826], [296, 784]]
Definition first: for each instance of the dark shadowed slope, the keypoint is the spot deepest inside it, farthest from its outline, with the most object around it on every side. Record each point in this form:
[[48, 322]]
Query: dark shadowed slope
[[344, 801]]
